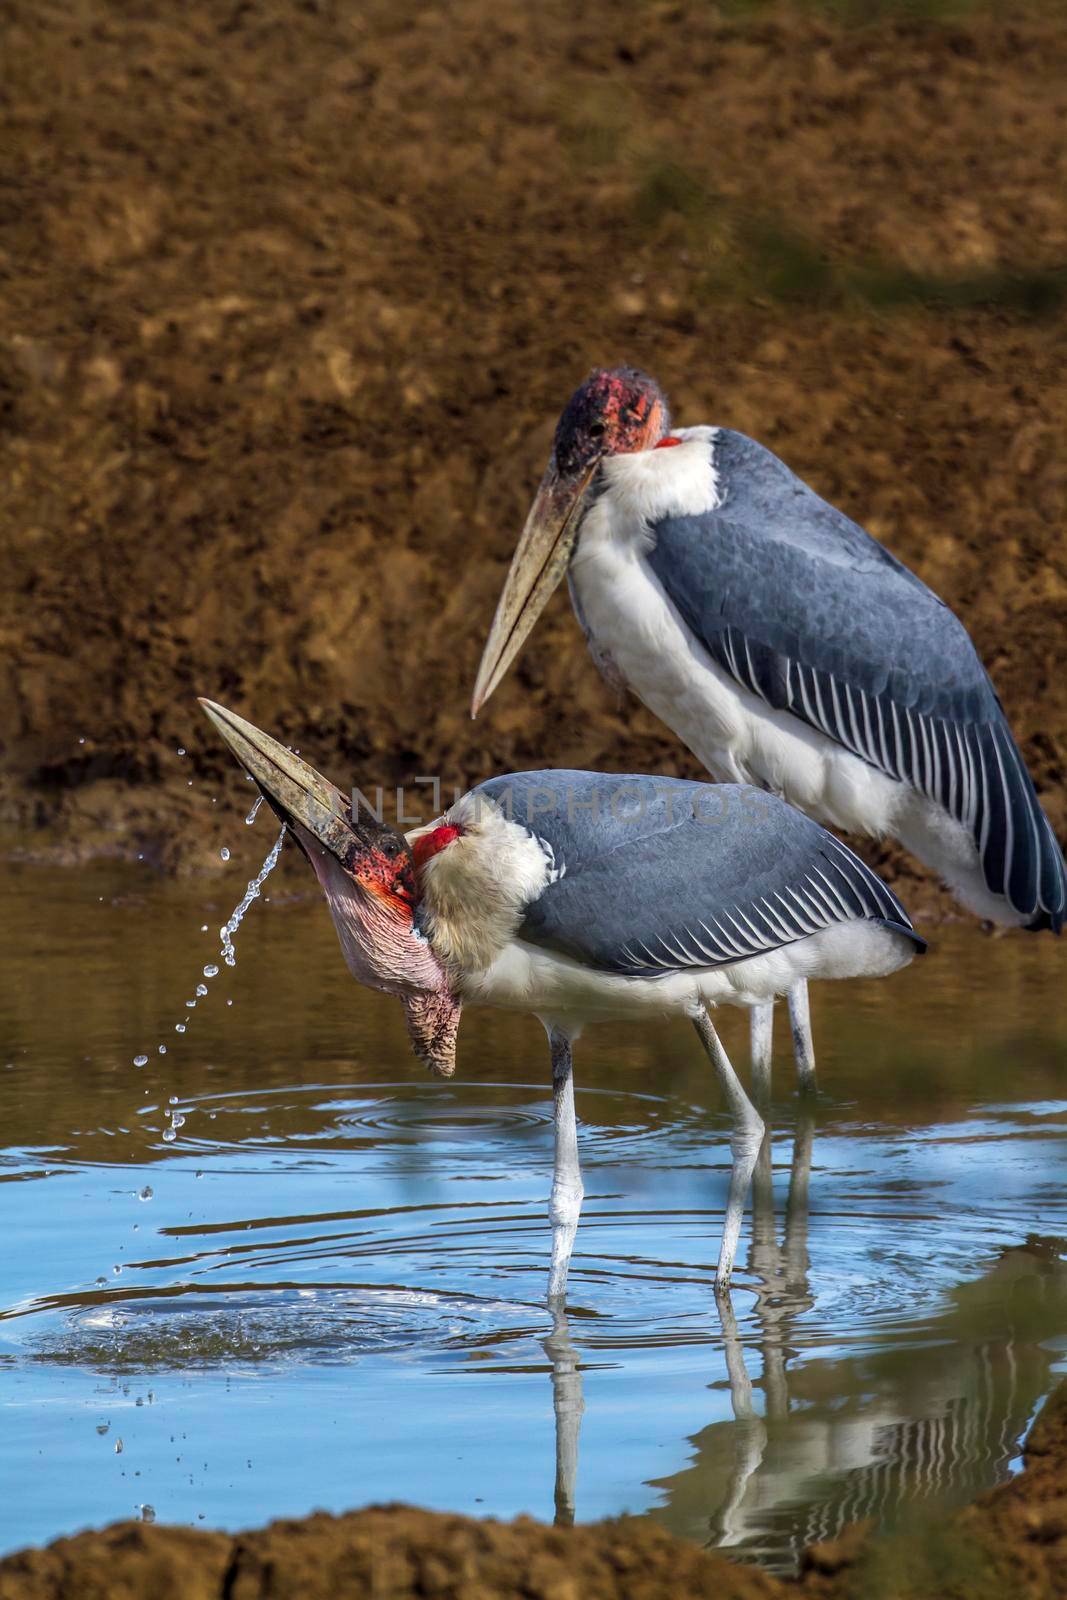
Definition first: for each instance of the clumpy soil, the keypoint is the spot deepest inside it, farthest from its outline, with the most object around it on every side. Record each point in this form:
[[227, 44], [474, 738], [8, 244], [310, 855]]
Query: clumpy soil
[[292, 291], [1011, 1542]]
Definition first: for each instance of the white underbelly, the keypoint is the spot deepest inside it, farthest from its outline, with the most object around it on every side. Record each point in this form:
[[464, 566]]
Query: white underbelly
[[525, 977], [740, 739]]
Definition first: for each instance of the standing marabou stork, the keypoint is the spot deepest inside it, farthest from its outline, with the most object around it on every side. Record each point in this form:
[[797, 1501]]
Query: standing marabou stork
[[585, 897], [784, 645]]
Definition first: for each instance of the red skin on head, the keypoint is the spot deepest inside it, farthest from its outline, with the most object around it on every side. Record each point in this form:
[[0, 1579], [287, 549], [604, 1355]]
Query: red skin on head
[[430, 843], [613, 413]]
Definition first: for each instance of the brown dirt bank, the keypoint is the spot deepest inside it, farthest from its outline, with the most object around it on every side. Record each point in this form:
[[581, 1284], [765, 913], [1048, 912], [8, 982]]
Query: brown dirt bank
[[291, 293], [1012, 1542]]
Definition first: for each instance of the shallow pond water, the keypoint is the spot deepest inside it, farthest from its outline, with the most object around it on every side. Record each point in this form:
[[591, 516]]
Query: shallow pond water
[[327, 1288]]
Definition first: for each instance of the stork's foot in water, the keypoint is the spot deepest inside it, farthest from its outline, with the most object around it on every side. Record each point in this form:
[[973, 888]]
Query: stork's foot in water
[[745, 1144], [565, 1205], [800, 1023]]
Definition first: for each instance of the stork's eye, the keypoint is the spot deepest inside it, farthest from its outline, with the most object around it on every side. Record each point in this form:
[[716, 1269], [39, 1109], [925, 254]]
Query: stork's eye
[[597, 429]]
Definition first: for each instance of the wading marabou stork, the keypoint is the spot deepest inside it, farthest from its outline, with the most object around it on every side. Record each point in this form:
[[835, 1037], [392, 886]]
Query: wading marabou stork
[[585, 897], [785, 646]]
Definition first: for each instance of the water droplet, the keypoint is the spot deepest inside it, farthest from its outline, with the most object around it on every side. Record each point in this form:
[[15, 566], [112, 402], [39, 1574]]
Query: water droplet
[[146, 1193], [229, 1002], [201, 988], [226, 932], [173, 1101], [148, 1513], [191, 1004], [203, 927], [251, 817], [100, 1281], [224, 853], [162, 1049], [169, 1135], [118, 1447], [116, 1269], [103, 1427], [198, 1174], [211, 970], [177, 1120], [140, 1061], [181, 750], [82, 739], [179, 1027], [212, 1115]]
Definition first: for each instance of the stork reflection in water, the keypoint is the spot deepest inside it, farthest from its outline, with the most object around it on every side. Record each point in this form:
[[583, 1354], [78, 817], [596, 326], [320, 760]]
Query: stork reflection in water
[[817, 1442]]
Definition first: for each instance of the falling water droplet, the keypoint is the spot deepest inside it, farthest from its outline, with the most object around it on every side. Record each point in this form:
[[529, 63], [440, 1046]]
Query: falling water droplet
[[116, 1269], [191, 1004], [146, 1193], [229, 1002], [224, 853], [140, 1061], [177, 1120], [211, 970], [118, 1447], [148, 1513], [203, 927], [100, 1281], [172, 1100], [82, 739], [201, 988], [169, 1135], [226, 932], [181, 750], [251, 817], [179, 1027], [162, 1049]]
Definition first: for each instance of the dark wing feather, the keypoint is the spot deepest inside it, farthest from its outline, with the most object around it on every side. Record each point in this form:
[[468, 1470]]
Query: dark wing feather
[[655, 875], [811, 614]]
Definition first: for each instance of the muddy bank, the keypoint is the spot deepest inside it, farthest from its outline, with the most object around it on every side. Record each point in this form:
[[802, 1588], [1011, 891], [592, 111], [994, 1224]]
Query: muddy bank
[[1010, 1542], [291, 295]]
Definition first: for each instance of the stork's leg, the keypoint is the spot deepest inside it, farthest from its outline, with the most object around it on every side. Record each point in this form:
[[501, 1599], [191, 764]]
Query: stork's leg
[[761, 1035], [800, 1022], [566, 1202], [745, 1143], [568, 1405]]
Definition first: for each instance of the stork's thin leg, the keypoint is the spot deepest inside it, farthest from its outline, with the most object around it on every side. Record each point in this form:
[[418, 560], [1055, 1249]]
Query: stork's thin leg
[[761, 1035], [568, 1405], [745, 1142], [800, 1022], [566, 1202]]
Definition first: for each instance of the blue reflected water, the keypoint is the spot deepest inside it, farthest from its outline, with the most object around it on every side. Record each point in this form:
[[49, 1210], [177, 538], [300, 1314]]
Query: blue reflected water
[[326, 1291]]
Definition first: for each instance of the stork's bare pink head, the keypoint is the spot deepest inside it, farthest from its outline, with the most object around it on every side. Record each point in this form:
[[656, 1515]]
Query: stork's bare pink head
[[369, 877], [616, 411]]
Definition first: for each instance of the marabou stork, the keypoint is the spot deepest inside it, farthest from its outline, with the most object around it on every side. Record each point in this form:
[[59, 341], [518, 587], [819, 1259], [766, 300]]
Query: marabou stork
[[584, 897], [784, 645]]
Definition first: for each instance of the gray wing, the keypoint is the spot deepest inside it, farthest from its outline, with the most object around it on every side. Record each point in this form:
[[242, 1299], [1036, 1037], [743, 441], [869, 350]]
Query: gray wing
[[811, 614], [654, 875]]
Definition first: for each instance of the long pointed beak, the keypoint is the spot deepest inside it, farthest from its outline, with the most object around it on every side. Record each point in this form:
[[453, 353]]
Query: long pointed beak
[[294, 791], [539, 562]]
